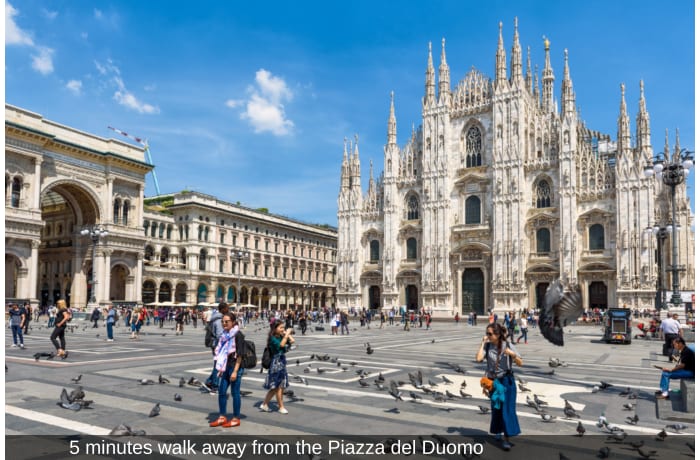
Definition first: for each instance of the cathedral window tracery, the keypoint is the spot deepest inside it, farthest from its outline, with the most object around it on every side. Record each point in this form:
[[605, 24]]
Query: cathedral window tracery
[[473, 146], [543, 193], [412, 208]]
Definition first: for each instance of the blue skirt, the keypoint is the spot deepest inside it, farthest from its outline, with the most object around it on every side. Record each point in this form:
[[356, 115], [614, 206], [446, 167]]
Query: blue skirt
[[505, 420], [277, 374]]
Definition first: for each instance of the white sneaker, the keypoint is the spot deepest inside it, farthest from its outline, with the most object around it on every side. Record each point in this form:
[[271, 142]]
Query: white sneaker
[[110, 340], [264, 408], [283, 411], [14, 345], [21, 345]]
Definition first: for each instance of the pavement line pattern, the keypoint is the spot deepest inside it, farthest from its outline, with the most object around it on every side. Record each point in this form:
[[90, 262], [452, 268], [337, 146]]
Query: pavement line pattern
[[56, 421]]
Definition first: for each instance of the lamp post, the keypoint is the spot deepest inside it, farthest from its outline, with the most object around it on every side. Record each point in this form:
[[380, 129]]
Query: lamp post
[[95, 232], [239, 255], [672, 172], [305, 286]]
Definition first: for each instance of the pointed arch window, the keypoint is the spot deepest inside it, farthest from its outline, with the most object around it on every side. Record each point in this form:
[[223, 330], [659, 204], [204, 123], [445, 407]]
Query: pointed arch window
[[596, 237], [374, 251], [543, 241], [472, 210], [412, 208], [411, 249], [543, 194], [473, 146]]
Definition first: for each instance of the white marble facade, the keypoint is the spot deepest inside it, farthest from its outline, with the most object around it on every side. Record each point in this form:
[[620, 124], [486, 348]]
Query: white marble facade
[[500, 190]]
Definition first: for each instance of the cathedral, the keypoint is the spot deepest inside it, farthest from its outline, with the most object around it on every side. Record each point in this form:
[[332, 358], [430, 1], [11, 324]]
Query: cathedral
[[501, 190]]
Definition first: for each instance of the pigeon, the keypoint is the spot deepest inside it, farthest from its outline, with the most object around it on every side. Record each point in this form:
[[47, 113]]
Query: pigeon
[[677, 427], [44, 355], [298, 362], [547, 418], [484, 410], [416, 379], [646, 453], [162, 379], [307, 369], [380, 377], [370, 350], [320, 370], [531, 402], [147, 382], [625, 392], [439, 397], [540, 402], [182, 382], [77, 394], [446, 380], [450, 395], [618, 436], [395, 410], [636, 444], [604, 452], [560, 307], [595, 389], [246, 393], [554, 362], [605, 385], [414, 396], [155, 411], [523, 388], [432, 341], [67, 403], [571, 413], [634, 395], [632, 420], [628, 406], [580, 429], [602, 421], [567, 405], [380, 386], [289, 393], [464, 384], [76, 379], [431, 383], [363, 383], [125, 430], [394, 391], [177, 397]]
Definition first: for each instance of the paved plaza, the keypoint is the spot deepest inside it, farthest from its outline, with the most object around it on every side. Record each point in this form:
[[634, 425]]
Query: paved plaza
[[333, 402]]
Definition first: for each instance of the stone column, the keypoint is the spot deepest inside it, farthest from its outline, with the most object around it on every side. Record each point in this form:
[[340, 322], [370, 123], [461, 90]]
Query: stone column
[[106, 276], [33, 274], [107, 201], [460, 273], [139, 276], [36, 199], [130, 288]]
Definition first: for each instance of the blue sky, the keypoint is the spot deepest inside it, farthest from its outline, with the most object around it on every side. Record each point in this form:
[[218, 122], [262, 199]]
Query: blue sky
[[250, 101]]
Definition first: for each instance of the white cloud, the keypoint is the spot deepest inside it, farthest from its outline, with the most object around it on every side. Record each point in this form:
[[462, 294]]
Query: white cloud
[[98, 14], [123, 96], [43, 61], [264, 108], [13, 34], [74, 86], [50, 15]]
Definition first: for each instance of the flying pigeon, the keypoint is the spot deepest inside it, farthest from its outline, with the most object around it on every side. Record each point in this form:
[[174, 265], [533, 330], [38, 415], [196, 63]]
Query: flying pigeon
[[560, 307], [394, 391]]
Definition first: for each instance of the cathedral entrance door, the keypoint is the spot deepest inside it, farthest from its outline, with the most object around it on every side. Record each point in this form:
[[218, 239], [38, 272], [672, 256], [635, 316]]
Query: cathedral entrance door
[[473, 291], [540, 291], [597, 295], [411, 297], [374, 297]]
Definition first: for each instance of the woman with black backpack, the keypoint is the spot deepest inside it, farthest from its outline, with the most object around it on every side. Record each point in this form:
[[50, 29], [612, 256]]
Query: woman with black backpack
[[228, 363]]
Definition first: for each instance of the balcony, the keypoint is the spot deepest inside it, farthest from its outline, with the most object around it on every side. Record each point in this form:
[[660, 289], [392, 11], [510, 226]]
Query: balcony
[[543, 257], [598, 255]]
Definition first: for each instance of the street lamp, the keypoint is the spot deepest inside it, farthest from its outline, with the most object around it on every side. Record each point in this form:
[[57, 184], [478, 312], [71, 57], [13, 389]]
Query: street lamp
[[239, 255], [672, 172], [305, 286], [95, 232]]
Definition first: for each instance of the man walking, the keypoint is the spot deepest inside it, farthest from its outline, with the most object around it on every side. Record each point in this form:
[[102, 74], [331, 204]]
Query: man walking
[[671, 329], [17, 319], [95, 317], [111, 319]]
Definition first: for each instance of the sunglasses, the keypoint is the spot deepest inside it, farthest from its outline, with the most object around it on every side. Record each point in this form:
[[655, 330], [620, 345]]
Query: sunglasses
[[491, 334]]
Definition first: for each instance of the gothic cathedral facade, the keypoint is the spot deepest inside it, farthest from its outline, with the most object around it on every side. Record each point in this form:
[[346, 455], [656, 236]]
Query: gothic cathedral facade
[[499, 192]]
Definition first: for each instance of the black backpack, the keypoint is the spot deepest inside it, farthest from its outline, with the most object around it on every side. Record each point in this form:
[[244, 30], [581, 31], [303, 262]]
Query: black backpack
[[248, 357], [209, 337], [266, 358]]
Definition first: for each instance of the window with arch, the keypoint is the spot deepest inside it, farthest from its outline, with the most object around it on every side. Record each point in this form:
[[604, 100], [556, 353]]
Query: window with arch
[[164, 255], [472, 210], [148, 253], [169, 231], [180, 232], [596, 237], [543, 240], [125, 213], [374, 250], [145, 228], [200, 230], [412, 208], [161, 230], [117, 208], [154, 228], [411, 249], [543, 194], [203, 259], [206, 233], [472, 143], [183, 257]]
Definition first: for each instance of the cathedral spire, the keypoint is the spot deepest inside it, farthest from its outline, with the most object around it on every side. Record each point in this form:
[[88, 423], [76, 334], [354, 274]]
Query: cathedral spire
[[516, 57], [528, 75], [666, 148], [568, 99], [547, 81], [643, 129], [677, 148], [623, 124], [344, 168], [444, 77], [536, 89], [391, 124], [429, 78], [500, 60]]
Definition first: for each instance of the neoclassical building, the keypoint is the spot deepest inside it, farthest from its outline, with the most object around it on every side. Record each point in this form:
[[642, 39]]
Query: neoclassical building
[[502, 189], [170, 249]]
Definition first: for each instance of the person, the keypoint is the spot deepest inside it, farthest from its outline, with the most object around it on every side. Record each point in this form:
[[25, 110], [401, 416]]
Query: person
[[95, 317], [215, 318], [279, 340], [179, 321], [474, 316], [194, 317], [456, 318], [428, 319], [344, 320], [684, 369], [671, 329], [52, 315], [302, 322], [17, 319], [500, 357], [510, 323], [228, 363], [27, 317], [523, 328], [111, 319], [58, 336], [136, 321]]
